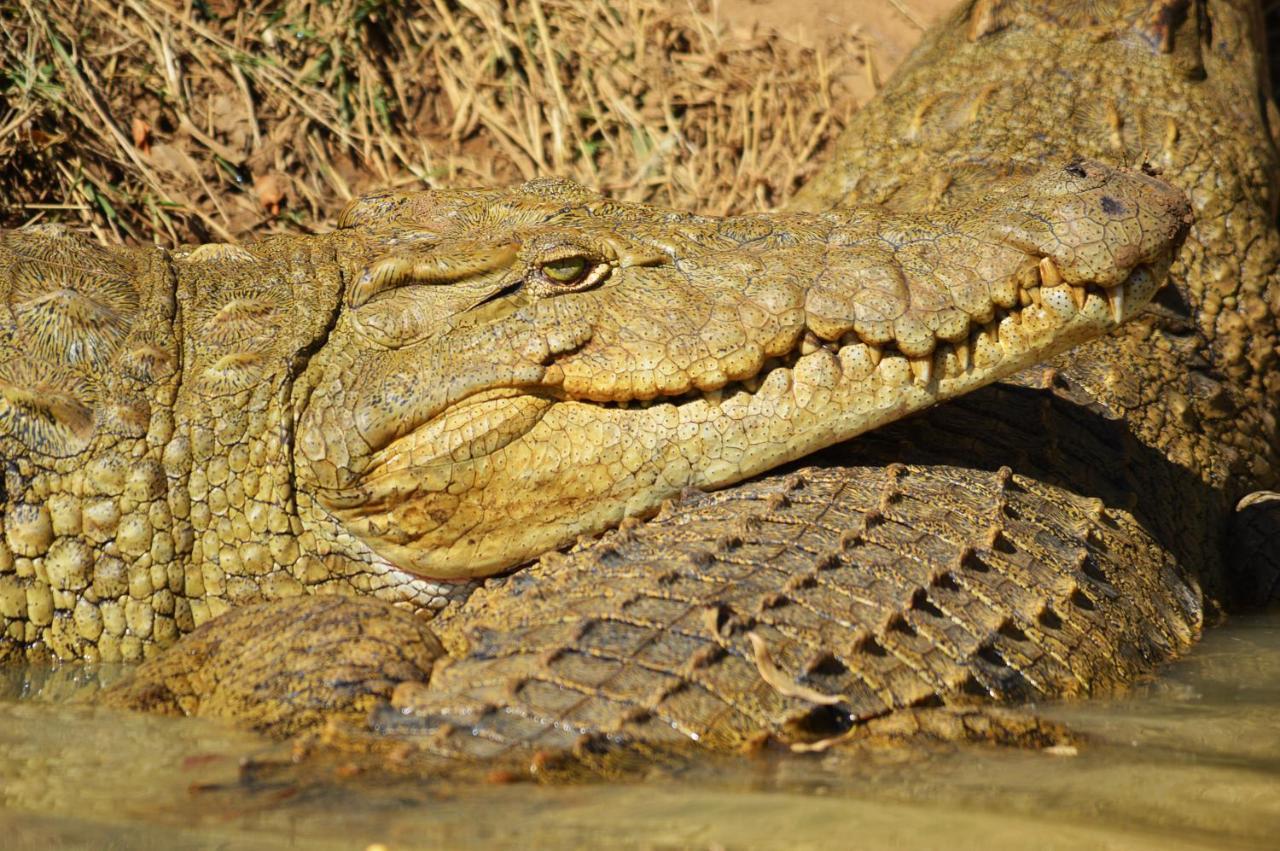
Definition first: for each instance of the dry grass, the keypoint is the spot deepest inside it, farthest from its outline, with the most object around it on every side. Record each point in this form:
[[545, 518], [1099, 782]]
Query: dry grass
[[146, 120]]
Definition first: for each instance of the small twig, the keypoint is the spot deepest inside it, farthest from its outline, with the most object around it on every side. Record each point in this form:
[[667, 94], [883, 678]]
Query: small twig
[[906, 12]]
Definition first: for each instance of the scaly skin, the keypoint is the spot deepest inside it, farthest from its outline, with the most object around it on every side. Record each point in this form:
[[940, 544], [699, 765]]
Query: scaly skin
[[415, 399], [1055, 537], [1180, 83]]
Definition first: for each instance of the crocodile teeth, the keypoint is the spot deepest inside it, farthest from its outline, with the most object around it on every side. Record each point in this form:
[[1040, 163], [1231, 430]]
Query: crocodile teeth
[[875, 354], [921, 368], [1079, 295], [810, 343], [1115, 298], [1049, 273], [962, 354], [752, 384]]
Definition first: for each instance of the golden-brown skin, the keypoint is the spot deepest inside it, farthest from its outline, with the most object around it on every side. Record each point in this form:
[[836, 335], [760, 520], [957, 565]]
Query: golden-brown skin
[[1056, 536], [1198, 379], [456, 426], [415, 400]]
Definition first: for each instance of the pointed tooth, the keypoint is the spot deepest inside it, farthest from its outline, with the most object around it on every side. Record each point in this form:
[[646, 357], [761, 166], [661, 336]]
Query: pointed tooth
[[1049, 273], [810, 343], [963, 354], [1024, 296], [1115, 298], [1079, 295], [922, 368], [875, 353], [714, 397], [752, 384]]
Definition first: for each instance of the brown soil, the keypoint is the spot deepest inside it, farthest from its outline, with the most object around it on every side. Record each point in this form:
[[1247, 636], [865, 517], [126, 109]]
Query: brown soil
[[182, 120]]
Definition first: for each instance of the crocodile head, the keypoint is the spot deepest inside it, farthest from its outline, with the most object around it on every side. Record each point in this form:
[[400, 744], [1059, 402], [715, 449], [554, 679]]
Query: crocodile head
[[524, 367]]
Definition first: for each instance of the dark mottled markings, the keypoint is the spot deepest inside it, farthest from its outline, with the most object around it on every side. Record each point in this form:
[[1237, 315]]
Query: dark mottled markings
[[1111, 206]]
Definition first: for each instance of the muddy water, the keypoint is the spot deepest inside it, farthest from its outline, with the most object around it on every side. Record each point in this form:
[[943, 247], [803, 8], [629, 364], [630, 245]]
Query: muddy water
[[1190, 760]]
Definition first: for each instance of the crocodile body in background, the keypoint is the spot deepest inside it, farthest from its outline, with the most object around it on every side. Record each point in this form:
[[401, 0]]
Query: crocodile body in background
[[1027, 542]]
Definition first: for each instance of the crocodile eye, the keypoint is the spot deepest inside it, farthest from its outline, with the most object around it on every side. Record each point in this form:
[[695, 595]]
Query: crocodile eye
[[566, 271]]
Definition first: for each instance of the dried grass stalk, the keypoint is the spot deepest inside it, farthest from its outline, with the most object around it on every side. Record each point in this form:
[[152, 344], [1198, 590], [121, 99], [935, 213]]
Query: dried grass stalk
[[148, 120]]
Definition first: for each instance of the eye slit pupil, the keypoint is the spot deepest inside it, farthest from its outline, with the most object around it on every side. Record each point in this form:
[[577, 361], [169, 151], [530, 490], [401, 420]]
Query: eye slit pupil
[[570, 270]]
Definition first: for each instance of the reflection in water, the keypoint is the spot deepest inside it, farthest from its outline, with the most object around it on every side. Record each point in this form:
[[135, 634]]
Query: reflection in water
[[1191, 760]]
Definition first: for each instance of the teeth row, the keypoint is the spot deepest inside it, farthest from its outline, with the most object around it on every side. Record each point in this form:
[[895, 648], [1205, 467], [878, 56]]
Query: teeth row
[[750, 385], [980, 338]]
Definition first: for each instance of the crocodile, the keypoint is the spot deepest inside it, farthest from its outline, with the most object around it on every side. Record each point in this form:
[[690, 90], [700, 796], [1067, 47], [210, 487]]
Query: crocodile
[[1050, 537], [456, 381]]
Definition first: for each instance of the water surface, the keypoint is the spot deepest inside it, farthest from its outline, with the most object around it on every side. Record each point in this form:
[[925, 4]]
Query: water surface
[[1189, 760]]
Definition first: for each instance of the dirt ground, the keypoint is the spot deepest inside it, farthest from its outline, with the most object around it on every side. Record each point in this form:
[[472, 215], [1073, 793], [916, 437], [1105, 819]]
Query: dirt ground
[[181, 120], [890, 28]]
